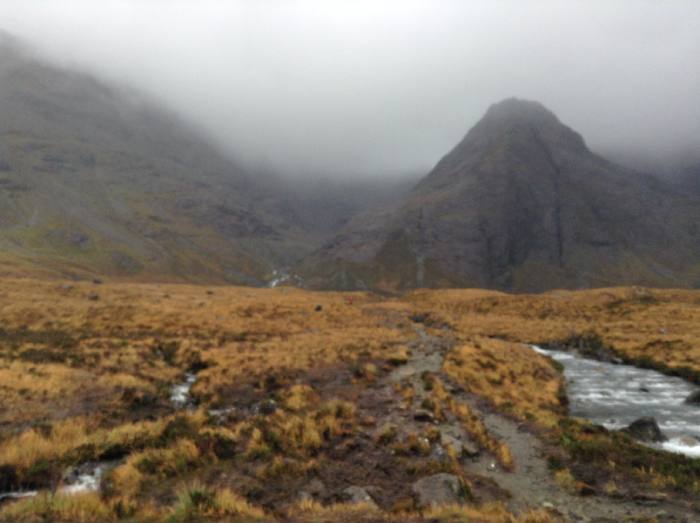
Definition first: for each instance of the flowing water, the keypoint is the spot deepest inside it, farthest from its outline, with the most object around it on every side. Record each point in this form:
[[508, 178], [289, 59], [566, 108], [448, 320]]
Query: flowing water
[[615, 395], [180, 392], [83, 478]]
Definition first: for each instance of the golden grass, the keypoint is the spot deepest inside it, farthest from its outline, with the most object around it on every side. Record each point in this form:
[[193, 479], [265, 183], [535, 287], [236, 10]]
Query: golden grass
[[59, 508], [198, 502], [489, 513], [511, 376], [662, 326], [32, 446], [76, 369], [474, 425]]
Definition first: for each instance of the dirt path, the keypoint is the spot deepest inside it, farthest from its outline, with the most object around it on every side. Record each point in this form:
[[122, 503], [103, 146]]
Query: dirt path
[[530, 484]]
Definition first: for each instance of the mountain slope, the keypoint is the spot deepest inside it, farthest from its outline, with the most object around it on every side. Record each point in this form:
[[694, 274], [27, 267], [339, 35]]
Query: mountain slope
[[98, 180], [520, 204]]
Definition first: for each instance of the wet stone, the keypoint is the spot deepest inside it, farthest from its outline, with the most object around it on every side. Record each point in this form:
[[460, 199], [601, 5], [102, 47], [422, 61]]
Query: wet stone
[[694, 398], [424, 416], [439, 489], [646, 429], [355, 494], [314, 489]]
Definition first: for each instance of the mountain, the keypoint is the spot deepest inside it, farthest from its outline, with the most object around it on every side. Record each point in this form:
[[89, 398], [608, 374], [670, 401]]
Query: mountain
[[100, 180], [520, 204], [690, 178]]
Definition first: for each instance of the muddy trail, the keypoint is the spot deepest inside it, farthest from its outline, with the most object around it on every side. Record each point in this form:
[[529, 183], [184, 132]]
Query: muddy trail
[[529, 484]]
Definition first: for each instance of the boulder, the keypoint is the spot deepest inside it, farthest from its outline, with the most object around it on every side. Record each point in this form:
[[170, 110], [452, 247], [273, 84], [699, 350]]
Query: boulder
[[689, 441], [694, 398], [439, 489], [645, 429]]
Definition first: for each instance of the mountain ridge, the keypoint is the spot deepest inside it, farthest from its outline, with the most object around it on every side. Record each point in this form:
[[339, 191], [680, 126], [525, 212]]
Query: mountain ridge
[[520, 204]]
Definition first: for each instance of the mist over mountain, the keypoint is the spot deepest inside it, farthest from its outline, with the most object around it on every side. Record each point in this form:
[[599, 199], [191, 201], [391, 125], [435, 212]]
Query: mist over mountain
[[522, 204], [97, 178], [509, 328], [376, 89]]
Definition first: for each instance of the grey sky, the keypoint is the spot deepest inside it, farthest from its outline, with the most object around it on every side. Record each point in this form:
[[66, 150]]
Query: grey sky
[[381, 87]]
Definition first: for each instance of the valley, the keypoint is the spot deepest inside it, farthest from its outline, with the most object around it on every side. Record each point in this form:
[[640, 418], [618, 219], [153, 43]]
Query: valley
[[283, 263]]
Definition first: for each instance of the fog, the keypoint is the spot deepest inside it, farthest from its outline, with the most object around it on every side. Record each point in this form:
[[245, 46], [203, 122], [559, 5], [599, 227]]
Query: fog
[[381, 88]]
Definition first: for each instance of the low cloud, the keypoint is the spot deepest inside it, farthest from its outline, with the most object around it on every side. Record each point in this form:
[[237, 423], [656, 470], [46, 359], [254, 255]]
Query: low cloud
[[380, 88]]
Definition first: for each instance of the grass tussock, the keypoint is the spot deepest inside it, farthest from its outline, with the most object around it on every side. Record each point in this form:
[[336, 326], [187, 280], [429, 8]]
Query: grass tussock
[[59, 508], [489, 513], [512, 378], [198, 502], [613, 458], [474, 425]]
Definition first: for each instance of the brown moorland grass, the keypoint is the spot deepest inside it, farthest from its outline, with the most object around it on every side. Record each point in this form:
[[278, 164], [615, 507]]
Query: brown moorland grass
[[86, 371]]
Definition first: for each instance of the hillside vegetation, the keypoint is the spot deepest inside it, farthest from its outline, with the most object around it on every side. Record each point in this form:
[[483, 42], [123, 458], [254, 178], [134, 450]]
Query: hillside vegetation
[[299, 396]]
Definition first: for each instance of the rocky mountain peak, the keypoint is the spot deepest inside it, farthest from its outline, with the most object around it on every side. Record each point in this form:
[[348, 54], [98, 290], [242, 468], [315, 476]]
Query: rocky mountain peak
[[524, 122], [517, 109]]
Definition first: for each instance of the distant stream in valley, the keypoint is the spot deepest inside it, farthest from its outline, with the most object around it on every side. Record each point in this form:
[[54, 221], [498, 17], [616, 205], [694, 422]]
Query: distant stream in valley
[[180, 392], [615, 395]]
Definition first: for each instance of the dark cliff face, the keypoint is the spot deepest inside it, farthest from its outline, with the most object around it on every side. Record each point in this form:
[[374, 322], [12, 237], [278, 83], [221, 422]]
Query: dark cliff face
[[521, 204]]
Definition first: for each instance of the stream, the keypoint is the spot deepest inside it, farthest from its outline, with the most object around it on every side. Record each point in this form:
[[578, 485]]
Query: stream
[[82, 478], [88, 476], [616, 395], [180, 392]]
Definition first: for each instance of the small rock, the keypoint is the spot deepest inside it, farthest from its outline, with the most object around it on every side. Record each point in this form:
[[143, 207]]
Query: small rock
[[223, 415], [450, 442], [356, 494], [694, 398], [547, 505], [689, 441], [424, 416], [460, 448], [315, 487], [469, 449], [368, 421], [266, 407], [318, 308], [304, 496], [645, 429], [649, 498], [439, 489]]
